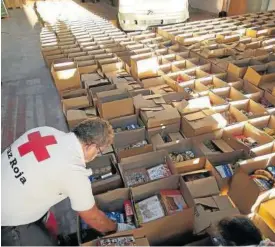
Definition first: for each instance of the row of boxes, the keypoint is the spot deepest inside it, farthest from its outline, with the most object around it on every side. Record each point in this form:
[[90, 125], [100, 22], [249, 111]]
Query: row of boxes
[[170, 109]]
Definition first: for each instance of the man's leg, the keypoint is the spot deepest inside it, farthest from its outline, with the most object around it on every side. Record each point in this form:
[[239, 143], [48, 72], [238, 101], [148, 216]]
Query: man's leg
[[31, 234]]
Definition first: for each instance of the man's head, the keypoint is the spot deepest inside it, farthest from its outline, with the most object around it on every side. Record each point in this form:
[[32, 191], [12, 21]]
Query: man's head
[[94, 135], [237, 230]]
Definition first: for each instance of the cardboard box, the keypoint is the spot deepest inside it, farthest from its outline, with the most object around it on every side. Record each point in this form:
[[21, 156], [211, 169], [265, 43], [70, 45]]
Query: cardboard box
[[123, 122], [264, 122], [213, 83], [109, 183], [250, 106], [152, 82], [213, 70], [73, 93], [265, 80], [247, 130], [75, 117], [115, 103], [94, 90], [146, 160], [266, 212], [65, 74], [264, 228], [173, 79], [156, 135], [202, 122], [229, 94], [86, 67], [268, 148], [144, 66], [108, 65], [75, 103], [248, 90], [242, 184], [130, 138], [172, 226]]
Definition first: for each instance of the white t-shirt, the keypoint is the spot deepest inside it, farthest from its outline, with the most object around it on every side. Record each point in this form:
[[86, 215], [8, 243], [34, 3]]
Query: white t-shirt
[[41, 168]]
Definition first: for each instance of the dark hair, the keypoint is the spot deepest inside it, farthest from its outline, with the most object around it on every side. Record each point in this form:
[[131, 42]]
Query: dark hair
[[94, 131], [238, 231]]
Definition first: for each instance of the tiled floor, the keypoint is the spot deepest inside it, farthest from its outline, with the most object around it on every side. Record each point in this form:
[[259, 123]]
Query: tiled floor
[[29, 98]]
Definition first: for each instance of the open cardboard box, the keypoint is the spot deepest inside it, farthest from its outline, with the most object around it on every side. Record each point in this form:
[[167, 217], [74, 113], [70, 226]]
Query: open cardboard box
[[242, 184], [206, 193], [75, 103], [146, 160], [86, 67], [130, 138], [75, 117], [156, 136], [94, 90], [154, 111], [93, 80], [171, 226], [247, 130], [213, 70], [193, 89], [250, 106], [77, 54], [113, 64], [268, 148], [125, 121], [217, 51], [257, 78], [109, 183], [144, 66], [65, 74], [201, 122], [264, 122], [111, 201], [248, 90], [161, 89], [115, 103], [239, 67], [212, 82], [229, 94], [173, 79], [256, 32], [233, 115], [152, 82]]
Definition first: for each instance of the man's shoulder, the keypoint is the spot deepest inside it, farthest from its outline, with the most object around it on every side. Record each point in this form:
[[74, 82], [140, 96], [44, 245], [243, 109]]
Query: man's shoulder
[[45, 129]]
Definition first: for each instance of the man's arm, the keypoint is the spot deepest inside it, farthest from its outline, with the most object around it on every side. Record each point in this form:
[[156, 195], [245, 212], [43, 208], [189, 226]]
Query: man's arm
[[96, 219]]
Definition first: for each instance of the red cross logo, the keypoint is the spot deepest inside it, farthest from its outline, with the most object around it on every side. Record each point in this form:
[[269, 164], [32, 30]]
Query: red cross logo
[[37, 144]]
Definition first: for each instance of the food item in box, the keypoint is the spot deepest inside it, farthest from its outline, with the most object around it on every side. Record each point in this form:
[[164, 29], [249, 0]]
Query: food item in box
[[128, 127], [129, 212], [183, 156], [136, 176], [264, 178], [212, 146], [138, 144], [266, 103], [247, 114], [116, 216], [248, 141], [225, 170], [101, 173], [180, 79], [149, 209], [189, 91], [117, 241], [166, 138], [173, 201], [159, 171], [195, 175]]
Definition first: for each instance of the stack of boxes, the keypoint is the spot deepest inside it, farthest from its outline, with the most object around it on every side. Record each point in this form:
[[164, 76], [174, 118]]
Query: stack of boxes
[[192, 106]]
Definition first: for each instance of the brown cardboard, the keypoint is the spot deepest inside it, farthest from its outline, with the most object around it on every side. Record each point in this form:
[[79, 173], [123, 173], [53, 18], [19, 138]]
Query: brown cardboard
[[130, 138], [73, 93], [115, 103], [242, 183], [125, 121], [66, 75], [74, 117], [257, 79], [263, 150], [109, 183], [249, 131], [250, 106], [171, 226], [94, 90], [144, 66], [201, 122], [86, 67], [146, 160], [263, 122], [230, 94], [75, 103], [152, 82]]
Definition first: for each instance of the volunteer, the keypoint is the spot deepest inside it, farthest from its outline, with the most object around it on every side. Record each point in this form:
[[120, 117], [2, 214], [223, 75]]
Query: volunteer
[[43, 167]]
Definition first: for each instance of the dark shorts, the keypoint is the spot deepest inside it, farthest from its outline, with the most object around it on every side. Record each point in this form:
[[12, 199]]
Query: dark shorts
[[30, 234]]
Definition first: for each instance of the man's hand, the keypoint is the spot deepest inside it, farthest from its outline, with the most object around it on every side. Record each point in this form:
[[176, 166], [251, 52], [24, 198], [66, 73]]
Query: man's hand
[[96, 219], [124, 227]]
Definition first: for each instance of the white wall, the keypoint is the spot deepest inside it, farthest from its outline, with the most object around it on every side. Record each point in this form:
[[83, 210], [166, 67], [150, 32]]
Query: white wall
[[213, 6]]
